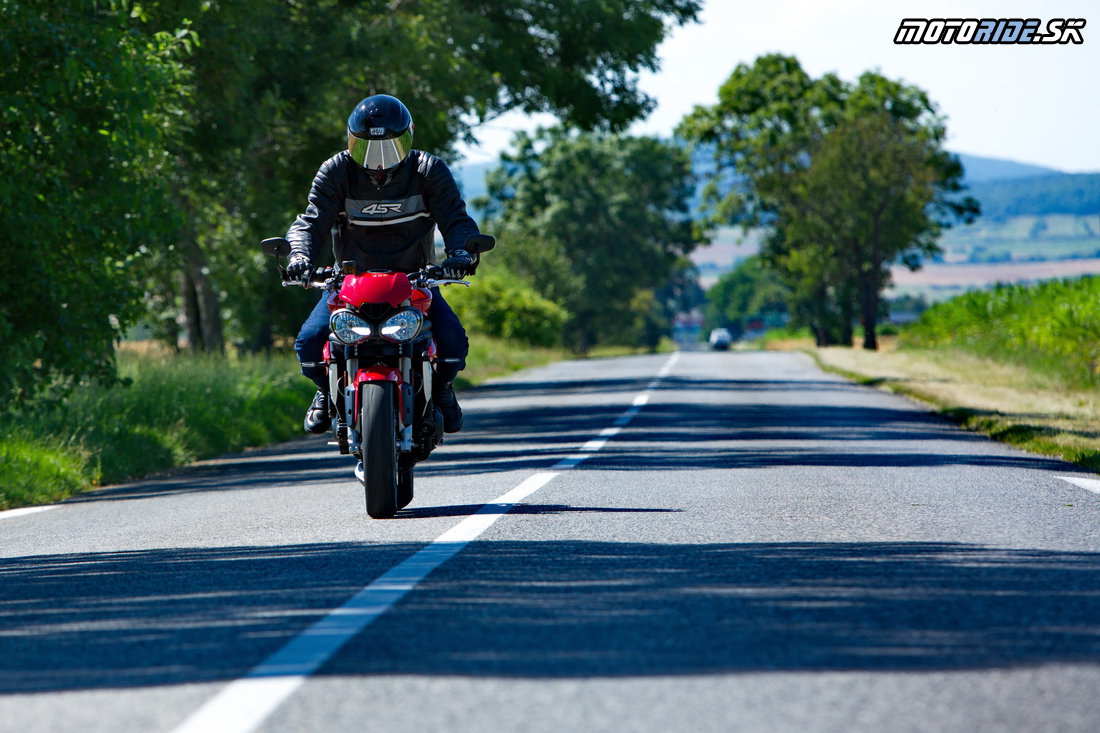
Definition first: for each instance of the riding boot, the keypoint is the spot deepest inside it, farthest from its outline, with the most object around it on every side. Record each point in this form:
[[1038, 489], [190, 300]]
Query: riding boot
[[447, 403], [318, 419]]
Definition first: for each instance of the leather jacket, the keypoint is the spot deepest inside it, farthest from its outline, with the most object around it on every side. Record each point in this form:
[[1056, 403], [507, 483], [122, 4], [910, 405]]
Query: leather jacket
[[387, 225]]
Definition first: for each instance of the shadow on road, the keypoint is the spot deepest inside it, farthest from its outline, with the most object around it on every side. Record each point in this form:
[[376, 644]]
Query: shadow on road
[[760, 430], [550, 609], [692, 435]]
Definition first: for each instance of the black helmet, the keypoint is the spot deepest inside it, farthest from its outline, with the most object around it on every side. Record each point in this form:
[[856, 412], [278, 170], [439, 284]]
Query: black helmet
[[380, 131]]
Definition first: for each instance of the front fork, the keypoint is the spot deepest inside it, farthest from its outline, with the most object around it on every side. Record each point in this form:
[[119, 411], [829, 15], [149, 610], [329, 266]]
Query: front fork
[[348, 435]]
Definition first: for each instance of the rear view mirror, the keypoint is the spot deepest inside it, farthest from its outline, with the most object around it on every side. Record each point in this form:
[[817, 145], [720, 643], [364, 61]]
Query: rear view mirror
[[276, 247], [478, 243]]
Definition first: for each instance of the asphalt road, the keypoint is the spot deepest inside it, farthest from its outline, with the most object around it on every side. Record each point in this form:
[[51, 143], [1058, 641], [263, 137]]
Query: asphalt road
[[711, 542]]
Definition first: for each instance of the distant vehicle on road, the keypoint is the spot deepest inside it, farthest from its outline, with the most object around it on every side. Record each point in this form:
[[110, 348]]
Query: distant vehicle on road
[[720, 339]]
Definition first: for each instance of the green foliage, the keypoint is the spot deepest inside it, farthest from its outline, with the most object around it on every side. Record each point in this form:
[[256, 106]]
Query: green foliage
[[275, 80], [1054, 325], [848, 177], [750, 290], [148, 146], [89, 106], [178, 409], [500, 306], [593, 221]]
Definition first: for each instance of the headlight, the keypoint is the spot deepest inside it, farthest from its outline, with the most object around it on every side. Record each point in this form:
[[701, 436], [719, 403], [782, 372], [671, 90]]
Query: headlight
[[348, 327], [402, 326]]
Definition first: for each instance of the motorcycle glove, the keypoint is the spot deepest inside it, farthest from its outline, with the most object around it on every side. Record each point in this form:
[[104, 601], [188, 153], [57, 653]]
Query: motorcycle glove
[[459, 264], [298, 267]]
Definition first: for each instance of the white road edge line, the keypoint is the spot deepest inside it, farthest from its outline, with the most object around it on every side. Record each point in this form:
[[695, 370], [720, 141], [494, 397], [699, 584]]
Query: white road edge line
[[12, 513], [1088, 484], [242, 705]]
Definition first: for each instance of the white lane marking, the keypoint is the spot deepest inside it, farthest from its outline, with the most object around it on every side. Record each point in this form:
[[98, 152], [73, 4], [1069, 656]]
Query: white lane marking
[[12, 513], [1089, 484], [243, 704]]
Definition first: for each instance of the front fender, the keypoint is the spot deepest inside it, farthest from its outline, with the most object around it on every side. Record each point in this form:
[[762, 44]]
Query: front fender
[[380, 374]]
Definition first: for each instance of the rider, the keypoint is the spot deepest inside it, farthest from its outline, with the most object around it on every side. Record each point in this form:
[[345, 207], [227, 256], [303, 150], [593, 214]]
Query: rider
[[385, 200]]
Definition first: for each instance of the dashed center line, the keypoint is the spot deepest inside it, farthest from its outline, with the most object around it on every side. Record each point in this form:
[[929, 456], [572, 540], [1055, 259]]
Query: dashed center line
[[243, 704], [12, 513], [1089, 484]]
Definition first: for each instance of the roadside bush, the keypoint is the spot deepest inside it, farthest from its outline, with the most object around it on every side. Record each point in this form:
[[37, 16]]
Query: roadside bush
[[498, 306]]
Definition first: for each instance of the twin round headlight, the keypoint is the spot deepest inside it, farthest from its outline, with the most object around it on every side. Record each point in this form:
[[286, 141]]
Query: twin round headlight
[[350, 328]]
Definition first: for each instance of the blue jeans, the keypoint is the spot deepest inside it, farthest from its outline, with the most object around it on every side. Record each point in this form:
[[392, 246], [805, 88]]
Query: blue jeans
[[450, 338]]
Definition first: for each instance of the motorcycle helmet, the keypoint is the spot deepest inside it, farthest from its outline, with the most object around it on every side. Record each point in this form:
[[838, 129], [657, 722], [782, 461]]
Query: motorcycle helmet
[[380, 132]]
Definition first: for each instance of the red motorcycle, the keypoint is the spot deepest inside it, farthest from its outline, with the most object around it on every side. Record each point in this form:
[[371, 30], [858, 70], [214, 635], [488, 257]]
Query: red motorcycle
[[381, 359]]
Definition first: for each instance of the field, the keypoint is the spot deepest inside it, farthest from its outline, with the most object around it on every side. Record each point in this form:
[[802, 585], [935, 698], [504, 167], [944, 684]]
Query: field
[[1029, 237], [941, 281], [1018, 249]]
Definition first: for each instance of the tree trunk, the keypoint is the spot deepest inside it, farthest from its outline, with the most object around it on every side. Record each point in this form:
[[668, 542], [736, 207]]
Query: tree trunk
[[262, 336], [847, 308], [191, 316], [208, 306], [869, 284], [869, 311]]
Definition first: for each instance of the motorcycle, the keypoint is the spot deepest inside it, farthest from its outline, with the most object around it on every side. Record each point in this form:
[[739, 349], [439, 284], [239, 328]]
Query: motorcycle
[[381, 362]]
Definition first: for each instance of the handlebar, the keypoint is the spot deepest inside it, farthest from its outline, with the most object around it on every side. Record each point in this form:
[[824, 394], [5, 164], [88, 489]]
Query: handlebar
[[319, 277], [330, 278]]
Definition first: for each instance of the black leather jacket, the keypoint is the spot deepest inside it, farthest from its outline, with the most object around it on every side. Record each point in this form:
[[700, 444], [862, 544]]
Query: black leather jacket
[[382, 226]]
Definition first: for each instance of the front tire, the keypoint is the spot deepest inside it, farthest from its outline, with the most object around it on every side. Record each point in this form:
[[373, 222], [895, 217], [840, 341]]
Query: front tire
[[379, 447]]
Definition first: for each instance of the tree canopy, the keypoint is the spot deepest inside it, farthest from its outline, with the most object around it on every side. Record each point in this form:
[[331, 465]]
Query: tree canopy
[[90, 107], [850, 178], [597, 223], [147, 146]]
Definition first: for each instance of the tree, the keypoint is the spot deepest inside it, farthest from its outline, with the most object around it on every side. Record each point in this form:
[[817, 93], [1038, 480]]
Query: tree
[[595, 222], [862, 203], [89, 103], [273, 81], [849, 178], [749, 290]]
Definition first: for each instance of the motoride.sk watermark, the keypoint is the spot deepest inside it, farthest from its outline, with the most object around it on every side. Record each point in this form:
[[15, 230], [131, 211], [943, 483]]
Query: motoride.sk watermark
[[989, 30]]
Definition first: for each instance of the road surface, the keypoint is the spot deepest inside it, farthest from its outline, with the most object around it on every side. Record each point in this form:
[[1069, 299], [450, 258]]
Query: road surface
[[692, 542]]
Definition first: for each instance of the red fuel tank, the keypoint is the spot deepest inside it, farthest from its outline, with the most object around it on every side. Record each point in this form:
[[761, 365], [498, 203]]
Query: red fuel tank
[[382, 286]]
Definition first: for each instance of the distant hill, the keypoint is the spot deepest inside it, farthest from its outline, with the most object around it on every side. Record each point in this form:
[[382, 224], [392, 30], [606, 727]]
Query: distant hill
[[1061, 193], [979, 169], [1005, 187], [1029, 214]]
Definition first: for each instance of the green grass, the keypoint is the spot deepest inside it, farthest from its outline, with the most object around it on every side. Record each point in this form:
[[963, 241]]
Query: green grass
[[1008, 401], [1051, 327], [178, 409], [493, 357]]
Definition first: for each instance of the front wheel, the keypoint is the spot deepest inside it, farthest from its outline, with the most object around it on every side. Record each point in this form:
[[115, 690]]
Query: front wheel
[[379, 446]]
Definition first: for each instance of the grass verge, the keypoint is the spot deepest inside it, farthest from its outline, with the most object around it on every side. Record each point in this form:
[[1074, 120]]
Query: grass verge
[[178, 409], [1007, 402]]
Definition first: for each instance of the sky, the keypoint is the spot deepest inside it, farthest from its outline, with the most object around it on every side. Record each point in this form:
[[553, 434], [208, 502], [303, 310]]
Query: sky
[[1037, 104]]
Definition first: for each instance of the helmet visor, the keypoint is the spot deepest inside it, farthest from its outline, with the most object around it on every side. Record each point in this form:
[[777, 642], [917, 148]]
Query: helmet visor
[[380, 154]]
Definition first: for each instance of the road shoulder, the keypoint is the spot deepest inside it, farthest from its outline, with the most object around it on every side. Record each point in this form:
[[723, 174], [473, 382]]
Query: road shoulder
[[1005, 402]]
